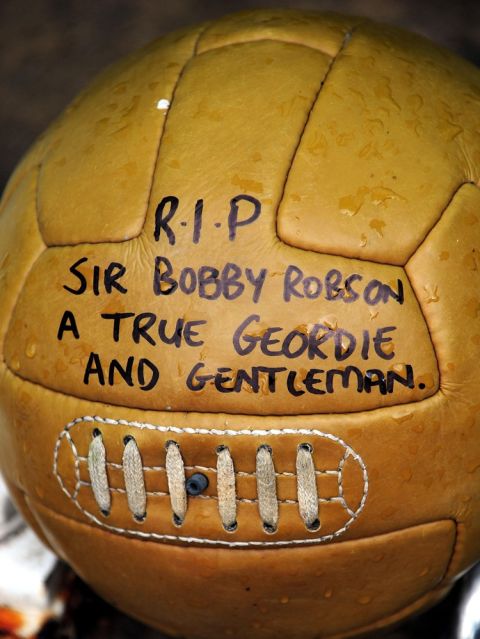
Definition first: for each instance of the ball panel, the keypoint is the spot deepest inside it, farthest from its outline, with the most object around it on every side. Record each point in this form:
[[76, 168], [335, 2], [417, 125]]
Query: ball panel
[[20, 501], [69, 361], [255, 589], [399, 136], [445, 274], [20, 243], [341, 481], [396, 445], [99, 165], [271, 287], [307, 28]]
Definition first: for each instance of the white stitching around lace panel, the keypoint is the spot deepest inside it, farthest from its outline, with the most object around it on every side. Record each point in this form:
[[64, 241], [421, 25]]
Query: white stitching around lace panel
[[266, 475]]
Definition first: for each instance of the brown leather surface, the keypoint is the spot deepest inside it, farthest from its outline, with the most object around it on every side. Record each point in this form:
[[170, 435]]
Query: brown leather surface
[[260, 593], [359, 146]]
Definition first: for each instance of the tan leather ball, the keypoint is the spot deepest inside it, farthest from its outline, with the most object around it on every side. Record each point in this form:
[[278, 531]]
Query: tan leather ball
[[240, 324]]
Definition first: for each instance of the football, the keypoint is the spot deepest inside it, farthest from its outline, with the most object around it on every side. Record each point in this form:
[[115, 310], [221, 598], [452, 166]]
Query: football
[[240, 328]]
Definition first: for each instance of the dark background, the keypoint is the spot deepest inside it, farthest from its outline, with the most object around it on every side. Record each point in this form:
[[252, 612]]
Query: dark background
[[51, 48]]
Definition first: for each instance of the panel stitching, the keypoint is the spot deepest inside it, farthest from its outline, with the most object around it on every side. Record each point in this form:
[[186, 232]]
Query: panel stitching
[[346, 39], [430, 336], [349, 452], [254, 41], [410, 281], [164, 128], [37, 204], [438, 219], [32, 265], [239, 473]]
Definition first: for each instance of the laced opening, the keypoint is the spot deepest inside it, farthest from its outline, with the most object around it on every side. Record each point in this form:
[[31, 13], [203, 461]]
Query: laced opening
[[134, 479], [267, 489], [307, 487], [97, 467], [226, 489], [179, 487], [175, 469]]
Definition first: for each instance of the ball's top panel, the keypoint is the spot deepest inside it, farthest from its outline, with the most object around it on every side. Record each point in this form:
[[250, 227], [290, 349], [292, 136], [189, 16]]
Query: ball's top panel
[[392, 135], [227, 217], [324, 32], [96, 174], [388, 134]]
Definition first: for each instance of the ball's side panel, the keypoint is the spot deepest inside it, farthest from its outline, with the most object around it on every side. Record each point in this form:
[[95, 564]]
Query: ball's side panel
[[392, 136], [351, 586], [445, 273], [20, 246], [96, 175], [324, 32]]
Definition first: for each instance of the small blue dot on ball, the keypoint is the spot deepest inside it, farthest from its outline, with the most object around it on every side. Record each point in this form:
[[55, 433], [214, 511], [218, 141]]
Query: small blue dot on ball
[[196, 484]]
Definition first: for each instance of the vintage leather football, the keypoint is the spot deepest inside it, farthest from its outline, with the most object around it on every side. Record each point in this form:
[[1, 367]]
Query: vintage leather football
[[240, 323]]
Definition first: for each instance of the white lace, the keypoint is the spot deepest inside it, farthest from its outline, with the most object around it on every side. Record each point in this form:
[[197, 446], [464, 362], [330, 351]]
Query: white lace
[[266, 478]]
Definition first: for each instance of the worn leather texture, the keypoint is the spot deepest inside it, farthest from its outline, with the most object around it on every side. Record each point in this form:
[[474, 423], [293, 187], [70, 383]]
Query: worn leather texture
[[261, 231]]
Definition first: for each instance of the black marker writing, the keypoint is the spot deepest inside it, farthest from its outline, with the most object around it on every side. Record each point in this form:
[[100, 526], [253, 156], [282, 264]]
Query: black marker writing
[[208, 282], [153, 330], [335, 287], [145, 374], [114, 272], [316, 381], [244, 210], [166, 209], [233, 217], [68, 323], [316, 342]]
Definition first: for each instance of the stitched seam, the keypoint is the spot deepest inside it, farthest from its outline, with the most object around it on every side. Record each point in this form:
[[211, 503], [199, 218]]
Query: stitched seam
[[456, 546], [30, 269], [340, 484], [206, 431], [430, 336], [65, 434], [240, 473], [37, 203], [164, 128], [160, 493], [410, 281], [345, 41], [255, 40], [438, 220]]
